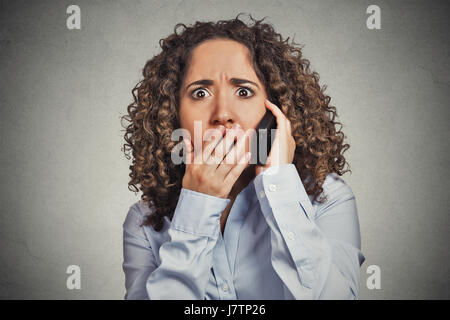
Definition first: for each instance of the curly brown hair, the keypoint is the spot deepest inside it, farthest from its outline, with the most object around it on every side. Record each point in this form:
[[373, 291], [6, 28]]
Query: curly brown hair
[[288, 80]]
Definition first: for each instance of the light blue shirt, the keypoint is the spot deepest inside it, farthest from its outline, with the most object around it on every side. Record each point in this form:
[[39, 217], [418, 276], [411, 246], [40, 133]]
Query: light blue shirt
[[277, 244]]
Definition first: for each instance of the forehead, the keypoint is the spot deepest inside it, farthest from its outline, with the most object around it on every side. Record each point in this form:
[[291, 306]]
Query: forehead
[[220, 56]]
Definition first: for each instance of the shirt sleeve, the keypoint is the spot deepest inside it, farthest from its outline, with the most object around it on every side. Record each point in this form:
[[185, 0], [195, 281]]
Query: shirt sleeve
[[316, 256], [186, 259], [138, 258]]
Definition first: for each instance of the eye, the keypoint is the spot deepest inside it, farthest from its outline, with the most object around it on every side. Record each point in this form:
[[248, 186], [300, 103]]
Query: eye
[[243, 90], [195, 96], [200, 93]]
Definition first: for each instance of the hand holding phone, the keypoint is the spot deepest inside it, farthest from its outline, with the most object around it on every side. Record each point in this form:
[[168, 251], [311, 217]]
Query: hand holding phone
[[264, 137], [282, 143]]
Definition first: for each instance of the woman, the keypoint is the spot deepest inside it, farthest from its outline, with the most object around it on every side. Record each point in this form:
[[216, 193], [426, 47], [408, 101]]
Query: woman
[[212, 229]]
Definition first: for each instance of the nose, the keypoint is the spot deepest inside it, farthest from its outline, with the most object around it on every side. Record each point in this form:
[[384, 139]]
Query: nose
[[223, 112]]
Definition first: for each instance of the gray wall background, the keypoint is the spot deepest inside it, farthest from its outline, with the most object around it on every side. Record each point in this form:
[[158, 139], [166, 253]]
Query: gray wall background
[[64, 178]]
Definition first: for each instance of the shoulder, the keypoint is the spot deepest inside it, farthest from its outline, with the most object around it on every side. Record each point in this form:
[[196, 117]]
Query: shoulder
[[136, 215], [336, 191], [334, 184]]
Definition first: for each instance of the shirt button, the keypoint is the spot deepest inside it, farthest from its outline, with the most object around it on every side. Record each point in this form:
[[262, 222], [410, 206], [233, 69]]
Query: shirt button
[[273, 187], [225, 287], [262, 194], [291, 235]]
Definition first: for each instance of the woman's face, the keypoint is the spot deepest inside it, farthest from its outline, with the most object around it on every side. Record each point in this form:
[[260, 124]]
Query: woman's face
[[230, 91]]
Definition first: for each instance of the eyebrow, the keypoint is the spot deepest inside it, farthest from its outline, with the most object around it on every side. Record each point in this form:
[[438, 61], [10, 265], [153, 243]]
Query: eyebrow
[[208, 82]]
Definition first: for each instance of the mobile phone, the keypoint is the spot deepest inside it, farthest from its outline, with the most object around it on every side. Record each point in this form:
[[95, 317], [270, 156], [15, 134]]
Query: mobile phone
[[264, 137]]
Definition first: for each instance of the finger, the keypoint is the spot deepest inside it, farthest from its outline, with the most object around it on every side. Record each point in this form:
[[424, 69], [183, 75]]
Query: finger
[[279, 115], [236, 152], [224, 146], [210, 143], [236, 171], [189, 151]]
